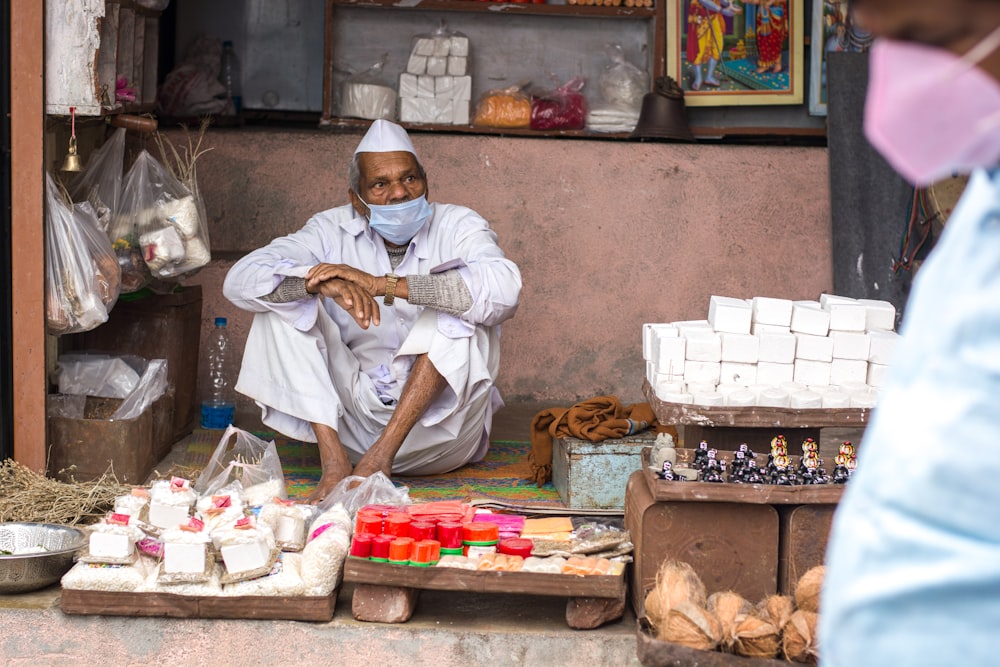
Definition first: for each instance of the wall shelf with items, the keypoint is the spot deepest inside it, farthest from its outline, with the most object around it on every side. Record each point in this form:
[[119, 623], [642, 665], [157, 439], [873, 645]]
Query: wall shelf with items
[[510, 44]]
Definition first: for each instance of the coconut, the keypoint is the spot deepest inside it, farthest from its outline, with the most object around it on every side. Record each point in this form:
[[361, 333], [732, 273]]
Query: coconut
[[799, 638], [730, 608], [776, 609], [756, 638], [690, 625], [676, 582], [808, 589]]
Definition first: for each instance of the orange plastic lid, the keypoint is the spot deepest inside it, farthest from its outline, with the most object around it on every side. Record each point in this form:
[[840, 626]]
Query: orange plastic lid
[[480, 531]]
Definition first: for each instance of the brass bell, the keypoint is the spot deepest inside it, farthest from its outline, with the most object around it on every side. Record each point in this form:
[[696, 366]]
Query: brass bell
[[72, 161], [663, 114]]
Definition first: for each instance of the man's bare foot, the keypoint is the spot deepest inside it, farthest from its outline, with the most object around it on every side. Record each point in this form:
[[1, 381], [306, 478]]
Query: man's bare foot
[[327, 482]]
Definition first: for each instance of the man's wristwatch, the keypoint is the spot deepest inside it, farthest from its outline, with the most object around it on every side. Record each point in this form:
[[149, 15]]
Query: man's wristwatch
[[390, 288]]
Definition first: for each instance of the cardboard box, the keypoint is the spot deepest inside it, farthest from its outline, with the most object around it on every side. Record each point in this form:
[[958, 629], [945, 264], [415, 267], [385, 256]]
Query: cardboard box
[[591, 475], [84, 449]]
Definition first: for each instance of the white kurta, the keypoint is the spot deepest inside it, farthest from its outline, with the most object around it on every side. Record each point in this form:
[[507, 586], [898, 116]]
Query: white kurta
[[308, 361]]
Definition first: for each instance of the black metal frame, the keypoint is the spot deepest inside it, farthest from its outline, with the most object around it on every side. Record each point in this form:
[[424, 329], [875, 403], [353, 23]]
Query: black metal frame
[[6, 333]]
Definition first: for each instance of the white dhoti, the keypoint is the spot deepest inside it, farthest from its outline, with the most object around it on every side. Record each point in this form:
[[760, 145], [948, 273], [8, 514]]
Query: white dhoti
[[303, 377]]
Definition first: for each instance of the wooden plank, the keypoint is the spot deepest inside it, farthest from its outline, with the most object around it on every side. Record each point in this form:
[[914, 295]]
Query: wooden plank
[[107, 57], [300, 608], [453, 579], [113, 603], [150, 60], [110, 603], [701, 415]]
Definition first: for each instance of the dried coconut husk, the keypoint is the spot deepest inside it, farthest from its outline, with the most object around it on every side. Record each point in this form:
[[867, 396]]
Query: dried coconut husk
[[690, 625], [756, 638], [730, 608], [799, 638], [676, 582], [807, 590], [776, 609]]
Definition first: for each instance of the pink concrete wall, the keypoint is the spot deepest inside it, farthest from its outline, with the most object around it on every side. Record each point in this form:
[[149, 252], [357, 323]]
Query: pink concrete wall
[[608, 234]]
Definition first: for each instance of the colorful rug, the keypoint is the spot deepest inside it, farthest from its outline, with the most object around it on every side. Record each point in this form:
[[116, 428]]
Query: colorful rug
[[503, 476]]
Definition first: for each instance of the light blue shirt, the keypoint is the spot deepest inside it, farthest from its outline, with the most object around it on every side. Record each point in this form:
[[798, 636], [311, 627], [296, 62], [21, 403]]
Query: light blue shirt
[[913, 574]]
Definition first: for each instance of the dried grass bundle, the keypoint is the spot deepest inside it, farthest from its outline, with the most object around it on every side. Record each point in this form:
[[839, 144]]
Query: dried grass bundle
[[26, 495], [181, 163]]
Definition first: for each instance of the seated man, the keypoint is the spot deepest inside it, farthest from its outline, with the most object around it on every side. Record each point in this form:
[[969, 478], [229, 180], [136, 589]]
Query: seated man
[[405, 386]]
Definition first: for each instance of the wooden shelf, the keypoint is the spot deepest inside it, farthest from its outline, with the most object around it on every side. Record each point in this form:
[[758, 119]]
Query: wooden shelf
[[510, 8]]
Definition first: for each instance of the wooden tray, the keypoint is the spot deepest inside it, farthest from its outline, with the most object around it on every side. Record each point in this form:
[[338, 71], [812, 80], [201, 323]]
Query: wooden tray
[[653, 652], [759, 494], [104, 603], [752, 416]]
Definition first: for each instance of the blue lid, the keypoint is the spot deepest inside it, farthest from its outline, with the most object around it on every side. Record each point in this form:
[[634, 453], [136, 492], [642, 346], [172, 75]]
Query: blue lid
[[220, 321]]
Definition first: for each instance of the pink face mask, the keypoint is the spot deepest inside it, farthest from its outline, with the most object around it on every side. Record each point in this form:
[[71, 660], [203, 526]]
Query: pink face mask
[[931, 113]]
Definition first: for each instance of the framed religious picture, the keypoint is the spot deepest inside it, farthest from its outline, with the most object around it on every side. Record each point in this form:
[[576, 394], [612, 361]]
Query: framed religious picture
[[736, 52], [832, 31]]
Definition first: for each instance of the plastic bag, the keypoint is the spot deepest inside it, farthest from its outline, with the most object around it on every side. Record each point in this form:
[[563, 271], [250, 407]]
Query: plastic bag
[[436, 86], [150, 387], [101, 182], [160, 216], [76, 261], [508, 107], [622, 83], [562, 109], [367, 94], [242, 456], [375, 489], [99, 374]]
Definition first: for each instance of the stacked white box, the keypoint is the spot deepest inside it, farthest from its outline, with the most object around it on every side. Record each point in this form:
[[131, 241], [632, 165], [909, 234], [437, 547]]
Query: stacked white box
[[442, 90], [808, 317], [808, 371], [770, 373], [876, 374], [702, 371], [845, 371], [669, 357], [733, 372], [846, 314], [813, 348], [729, 315], [758, 329], [883, 346], [741, 348], [850, 344], [767, 310], [703, 346], [879, 315], [776, 348]]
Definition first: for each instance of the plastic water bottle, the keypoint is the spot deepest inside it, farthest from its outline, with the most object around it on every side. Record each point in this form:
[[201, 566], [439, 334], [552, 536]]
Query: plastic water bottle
[[231, 76], [218, 407]]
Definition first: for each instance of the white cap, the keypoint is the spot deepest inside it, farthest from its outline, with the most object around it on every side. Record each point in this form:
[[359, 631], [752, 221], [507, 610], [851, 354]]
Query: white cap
[[385, 137]]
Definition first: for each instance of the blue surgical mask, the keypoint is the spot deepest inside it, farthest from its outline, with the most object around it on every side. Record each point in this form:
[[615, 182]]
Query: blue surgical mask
[[398, 223]]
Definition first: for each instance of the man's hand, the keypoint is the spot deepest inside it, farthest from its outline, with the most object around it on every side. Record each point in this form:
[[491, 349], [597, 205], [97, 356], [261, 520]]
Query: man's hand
[[351, 289]]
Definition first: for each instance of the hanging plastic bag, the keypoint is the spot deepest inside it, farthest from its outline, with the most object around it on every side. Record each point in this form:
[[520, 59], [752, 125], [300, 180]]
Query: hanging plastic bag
[[74, 261], [507, 108], [437, 85], [621, 82], [561, 109], [151, 386], [242, 456], [101, 182], [367, 94]]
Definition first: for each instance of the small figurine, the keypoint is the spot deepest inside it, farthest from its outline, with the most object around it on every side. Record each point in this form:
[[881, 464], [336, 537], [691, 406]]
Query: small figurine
[[752, 474], [667, 471], [701, 455]]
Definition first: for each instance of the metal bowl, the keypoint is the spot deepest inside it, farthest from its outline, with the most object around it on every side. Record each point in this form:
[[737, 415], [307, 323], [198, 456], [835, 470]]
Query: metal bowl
[[20, 573]]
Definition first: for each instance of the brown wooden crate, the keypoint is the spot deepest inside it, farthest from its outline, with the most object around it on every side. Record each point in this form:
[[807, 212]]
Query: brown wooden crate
[[805, 530]]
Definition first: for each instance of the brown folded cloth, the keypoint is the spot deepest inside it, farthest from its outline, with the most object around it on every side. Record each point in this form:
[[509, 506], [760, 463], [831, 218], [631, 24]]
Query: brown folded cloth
[[595, 419]]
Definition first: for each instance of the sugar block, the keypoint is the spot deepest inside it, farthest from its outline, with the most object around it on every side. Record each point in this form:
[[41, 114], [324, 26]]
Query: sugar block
[[882, 347], [710, 398], [246, 556], [774, 374], [423, 46], [731, 372], [705, 346], [183, 558], [776, 347], [442, 46], [669, 355], [425, 86], [702, 371], [846, 371], [756, 328], [407, 85], [457, 65], [437, 65], [460, 112], [876, 374], [416, 64], [111, 545], [444, 86], [880, 315], [729, 315], [742, 348], [463, 88], [836, 399], [767, 310], [805, 400], [459, 45], [809, 318], [425, 110], [163, 515], [773, 397], [846, 314], [850, 344], [741, 398], [650, 332], [650, 371], [809, 371], [816, 348]]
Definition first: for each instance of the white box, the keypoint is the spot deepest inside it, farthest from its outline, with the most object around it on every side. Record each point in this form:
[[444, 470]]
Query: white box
[[815, 348], [444, 86], [442, 46], [850, 344], [425, 110], [777, 312], [407, 85], [111, 545], [416, 64], [741, 348], [846, 314], [459, 45], [183, 558], [457, 65], [778, 348], [705, 346], [876, 374], [246, 556], [291, 529], [460, 112], [669, 354], [809, 318], [463, 88], [650, 331], [423, 46], [437, 66], [808, 371], [731, 372], [425, 86], [669, 385], [774, 374], [729, 314], [162, 515], [757, 329], [883, 346], [846, 371], [702, 372], [879, 315]]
